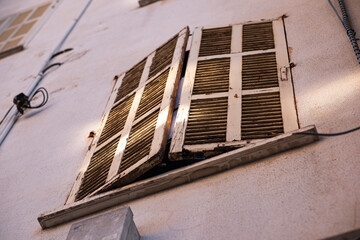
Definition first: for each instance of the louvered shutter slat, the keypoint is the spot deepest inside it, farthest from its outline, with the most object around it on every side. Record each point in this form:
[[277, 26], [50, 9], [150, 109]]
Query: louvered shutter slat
[[131, 80], [240, 65], [215, 41], [163, 57], [255, 111], [139, 143], [258, 36], [99, 160], [207, 121], [159, 94], [116, 120], [153, 94], [97, 172], [137, 121], [212, 76]]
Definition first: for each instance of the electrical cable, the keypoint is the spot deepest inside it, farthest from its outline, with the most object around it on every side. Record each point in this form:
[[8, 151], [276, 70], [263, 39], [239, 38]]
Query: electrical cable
[[61, 52], [50, 66], [351, 33], [346, 23], [329, 134], [45, 95], [23, 102], [6, 115], [337, 14], [26, 102]]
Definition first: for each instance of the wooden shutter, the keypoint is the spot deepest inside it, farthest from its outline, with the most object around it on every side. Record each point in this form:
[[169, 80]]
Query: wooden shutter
[[237, 90], [16, 30], [136, 122]]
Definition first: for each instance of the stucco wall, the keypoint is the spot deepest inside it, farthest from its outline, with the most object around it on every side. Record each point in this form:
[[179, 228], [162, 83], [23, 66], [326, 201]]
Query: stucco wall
[[308, 193]]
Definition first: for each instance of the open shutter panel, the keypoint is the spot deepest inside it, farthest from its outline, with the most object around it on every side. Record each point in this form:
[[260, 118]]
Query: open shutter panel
[[17, 29], [136, 122], [237, 90]]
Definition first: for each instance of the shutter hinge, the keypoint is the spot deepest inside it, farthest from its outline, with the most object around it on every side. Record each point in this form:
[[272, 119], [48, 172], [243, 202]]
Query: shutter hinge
[[284, 71], [92, 136]]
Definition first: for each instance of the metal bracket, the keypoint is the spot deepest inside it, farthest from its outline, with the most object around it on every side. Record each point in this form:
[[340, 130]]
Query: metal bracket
[[284, 71]]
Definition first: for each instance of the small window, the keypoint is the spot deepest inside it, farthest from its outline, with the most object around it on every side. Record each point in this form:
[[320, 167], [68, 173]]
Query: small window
[[17, 30]]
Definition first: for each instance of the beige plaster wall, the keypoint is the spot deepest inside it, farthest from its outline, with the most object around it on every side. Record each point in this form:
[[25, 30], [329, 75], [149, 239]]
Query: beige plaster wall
[[308, 193]]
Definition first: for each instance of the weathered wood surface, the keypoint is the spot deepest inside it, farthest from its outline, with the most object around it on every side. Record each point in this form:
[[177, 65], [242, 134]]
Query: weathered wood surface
[[75, 188], [162, 123], [247, 154], [129, 122], [186, 94], [235, 132], [168, 101], [233, 128], [287, 98], [236, 54]]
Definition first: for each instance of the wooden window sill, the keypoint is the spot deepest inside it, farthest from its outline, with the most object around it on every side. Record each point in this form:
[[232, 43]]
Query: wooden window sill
[[225, 161]]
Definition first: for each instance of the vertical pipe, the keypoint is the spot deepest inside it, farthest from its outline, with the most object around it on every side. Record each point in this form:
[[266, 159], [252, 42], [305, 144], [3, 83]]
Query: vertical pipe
[[13, 114]]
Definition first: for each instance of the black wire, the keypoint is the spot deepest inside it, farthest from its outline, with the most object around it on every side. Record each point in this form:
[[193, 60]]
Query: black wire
[[42, 90], [350, 32], [61, 52], [337, 14], [45, 95], [5, 115], [329, 134], [345, 22], [50, 66]]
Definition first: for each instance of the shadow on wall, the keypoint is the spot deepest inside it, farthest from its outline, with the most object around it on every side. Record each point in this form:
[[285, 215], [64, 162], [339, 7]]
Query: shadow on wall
[[353, 235], [32, 113]]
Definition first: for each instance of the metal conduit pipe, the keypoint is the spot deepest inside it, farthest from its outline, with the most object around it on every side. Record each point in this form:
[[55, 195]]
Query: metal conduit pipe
[[349, 30], [13, 114]]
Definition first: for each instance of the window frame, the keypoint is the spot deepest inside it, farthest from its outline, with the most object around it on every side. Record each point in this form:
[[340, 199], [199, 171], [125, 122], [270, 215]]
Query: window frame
[[253, 151]]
